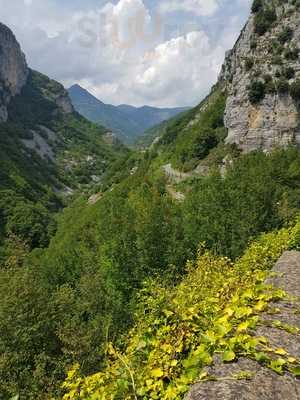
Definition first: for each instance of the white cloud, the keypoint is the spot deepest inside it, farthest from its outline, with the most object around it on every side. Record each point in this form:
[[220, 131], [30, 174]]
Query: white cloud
[[180, 69], [120, 51], [198, 7]]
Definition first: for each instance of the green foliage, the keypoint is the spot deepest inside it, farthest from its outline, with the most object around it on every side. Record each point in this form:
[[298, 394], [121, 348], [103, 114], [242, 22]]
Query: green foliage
[[179, 329], [185, 143], [264, 19], [249, 63], [89, 276], [285, 35], [289, 73], [250, 199], [29, 183], [283, 86], [257, 92], [295, 90], [291, 53], [257, 5]]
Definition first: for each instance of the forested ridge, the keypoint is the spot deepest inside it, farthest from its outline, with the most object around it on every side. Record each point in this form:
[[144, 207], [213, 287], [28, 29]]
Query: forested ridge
[[83, 291], [120, 280]]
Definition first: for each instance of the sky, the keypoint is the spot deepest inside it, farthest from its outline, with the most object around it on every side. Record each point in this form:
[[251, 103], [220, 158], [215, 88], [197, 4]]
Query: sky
[[163, 53]]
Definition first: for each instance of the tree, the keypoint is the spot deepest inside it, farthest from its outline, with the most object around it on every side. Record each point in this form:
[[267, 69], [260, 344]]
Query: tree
[[257, 6], [295, 90], [257, 92]]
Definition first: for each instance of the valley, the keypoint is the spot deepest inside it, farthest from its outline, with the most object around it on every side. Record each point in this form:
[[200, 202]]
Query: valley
[[151, 272]]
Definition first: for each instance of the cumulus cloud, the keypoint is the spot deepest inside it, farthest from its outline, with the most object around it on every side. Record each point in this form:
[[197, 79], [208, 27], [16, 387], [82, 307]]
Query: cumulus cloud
[[199, 7], [180, 69], [125, 51]]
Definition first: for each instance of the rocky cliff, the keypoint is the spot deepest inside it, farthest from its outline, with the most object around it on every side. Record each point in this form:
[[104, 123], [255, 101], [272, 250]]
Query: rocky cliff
[[261, 77], [13, 69]]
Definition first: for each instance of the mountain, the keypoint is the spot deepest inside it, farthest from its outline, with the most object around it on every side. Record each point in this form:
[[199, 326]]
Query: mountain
[[230, 168], [150, 283], [127, 122], [47, 151], [256, 98]]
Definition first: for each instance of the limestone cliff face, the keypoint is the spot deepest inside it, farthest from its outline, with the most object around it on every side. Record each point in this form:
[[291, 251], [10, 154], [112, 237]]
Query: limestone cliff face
[[13, 69], [274, 120]]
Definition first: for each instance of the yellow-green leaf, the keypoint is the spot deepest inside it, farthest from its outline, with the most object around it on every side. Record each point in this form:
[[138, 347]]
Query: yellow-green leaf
[[281, 352], [229, 356], [157, 373]]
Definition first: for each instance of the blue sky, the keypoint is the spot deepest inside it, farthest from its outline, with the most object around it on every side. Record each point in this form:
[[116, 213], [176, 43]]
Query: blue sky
[[161, 53]]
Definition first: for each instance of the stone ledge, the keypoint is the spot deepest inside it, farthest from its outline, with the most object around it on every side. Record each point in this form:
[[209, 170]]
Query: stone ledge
[[264, 383]]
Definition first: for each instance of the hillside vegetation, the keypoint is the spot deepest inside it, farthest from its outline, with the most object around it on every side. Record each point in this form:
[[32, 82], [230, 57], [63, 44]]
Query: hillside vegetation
[[35, 175], [129, 293], [179, 329], [126, 122], [85, 288]]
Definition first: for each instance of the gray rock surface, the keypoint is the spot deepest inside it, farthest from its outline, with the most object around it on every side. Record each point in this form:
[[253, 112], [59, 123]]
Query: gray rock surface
[[39, 145], [13, 69], [264, 383], [274, 122]]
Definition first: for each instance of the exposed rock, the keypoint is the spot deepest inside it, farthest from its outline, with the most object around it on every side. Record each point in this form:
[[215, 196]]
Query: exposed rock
[[264, 383], [13, 69], [39, 145], [64, 103], [111, 138], [95, 198], [51, 135], [275, 120], [175, 195], [175, 175]]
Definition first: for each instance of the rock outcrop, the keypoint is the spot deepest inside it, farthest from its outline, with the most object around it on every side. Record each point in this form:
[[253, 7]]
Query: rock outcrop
[[263, 384], [274, 120], [13, 69]]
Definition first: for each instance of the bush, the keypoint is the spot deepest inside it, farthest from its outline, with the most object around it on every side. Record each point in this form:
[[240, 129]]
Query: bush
[[295, 90], [283, 86], [270, 87], [249, 62], [264, 20], [291, 54], [285, 35], [253, 44], [257, 92], [257, 6], [289, 73]]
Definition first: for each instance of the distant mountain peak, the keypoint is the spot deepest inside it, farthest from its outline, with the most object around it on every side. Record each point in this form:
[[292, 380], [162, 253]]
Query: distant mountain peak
[[126, 121]]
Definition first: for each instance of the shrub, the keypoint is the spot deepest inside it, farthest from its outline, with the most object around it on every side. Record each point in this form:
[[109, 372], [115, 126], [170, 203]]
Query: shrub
[[285, 35], [283, 86], [249, 62], [291, 54], [270, 87], [277, 60], [263, 20], [257, 92], [295, 90], [289, 73], [253, 44], [257, 6]]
